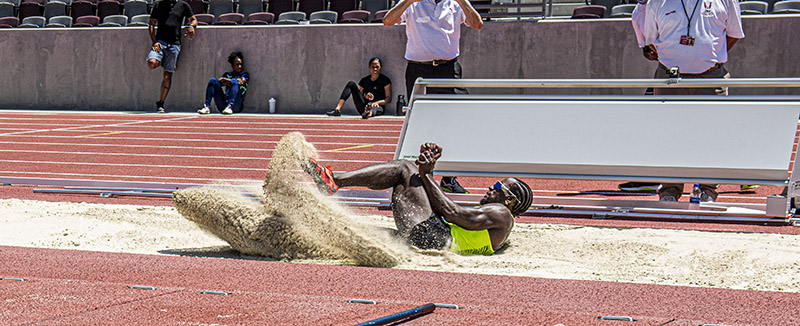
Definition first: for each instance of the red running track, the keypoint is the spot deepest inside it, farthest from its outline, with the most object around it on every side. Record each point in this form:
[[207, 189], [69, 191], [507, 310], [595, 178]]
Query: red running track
[[91, 288]]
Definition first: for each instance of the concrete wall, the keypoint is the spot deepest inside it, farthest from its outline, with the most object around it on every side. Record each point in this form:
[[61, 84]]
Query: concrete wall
[[306, 67]]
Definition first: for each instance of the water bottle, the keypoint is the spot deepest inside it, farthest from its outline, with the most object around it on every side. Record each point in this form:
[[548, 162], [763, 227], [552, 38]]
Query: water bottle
[[401, 102], [694, 197], [271, 105]]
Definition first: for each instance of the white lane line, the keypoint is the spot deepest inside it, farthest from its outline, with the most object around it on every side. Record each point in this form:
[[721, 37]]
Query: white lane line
[[392, 151], [118, 177], [208, 167], [221, 131], [167, 140], [88, 126]]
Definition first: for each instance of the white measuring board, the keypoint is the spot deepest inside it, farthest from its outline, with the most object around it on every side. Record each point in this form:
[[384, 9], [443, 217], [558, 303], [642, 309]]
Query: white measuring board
[[597, 139]]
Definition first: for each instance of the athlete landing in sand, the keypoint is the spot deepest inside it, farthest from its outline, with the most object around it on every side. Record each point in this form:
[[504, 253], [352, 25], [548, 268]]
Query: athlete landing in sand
[[427, 218]]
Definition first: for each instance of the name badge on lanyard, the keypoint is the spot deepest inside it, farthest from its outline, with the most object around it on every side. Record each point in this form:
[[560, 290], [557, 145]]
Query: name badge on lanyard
[[686, 39]]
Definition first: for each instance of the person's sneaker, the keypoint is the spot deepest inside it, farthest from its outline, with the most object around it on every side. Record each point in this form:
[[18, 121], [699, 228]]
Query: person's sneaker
[[639, 186], [667, 198], [160, 107], [227, 110], [323, 176], [204, 110], [334, 113], [748, 187], [450, 184], [706, 198]]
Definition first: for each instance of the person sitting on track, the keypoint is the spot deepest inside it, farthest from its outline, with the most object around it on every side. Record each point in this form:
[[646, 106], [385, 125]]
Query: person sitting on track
[[370, 96], [235, 83], [424, 215]]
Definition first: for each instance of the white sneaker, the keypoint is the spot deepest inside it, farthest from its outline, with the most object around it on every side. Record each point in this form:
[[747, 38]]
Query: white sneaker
[[227, 110], [204, 110], [161, 110]]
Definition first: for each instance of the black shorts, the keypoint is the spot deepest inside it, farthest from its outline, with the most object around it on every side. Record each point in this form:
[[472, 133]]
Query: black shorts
[[432, 233]]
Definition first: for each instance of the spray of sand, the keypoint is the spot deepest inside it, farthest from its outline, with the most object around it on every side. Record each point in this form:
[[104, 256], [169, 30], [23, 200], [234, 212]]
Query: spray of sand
[[293, 220]]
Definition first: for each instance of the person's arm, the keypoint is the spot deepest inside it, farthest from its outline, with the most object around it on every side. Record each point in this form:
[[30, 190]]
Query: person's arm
[[243, 78], [388, 91], [192, 26], [394, 15], [731, 42], [152, 29], [467, 218], [473, 17]]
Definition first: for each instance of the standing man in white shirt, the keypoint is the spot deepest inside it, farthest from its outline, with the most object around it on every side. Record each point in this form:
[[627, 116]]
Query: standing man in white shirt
[[695, 36], [433, 29]]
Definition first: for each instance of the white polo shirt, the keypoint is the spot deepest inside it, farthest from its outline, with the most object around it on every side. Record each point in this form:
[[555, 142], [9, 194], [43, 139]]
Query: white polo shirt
[[666, 22], [637, 19], [433, 29]]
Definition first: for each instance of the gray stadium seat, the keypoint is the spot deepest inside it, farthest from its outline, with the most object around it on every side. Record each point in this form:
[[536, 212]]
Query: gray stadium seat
[[7, 9], [354, 17], [59, 21], [622, 11], [86, 21], [606, 3], [277, 7], [753, 7], [290, 17], [32, 22], [140, 20], [55, 8], [310, 6], [247, 7], [135, 7], [323, 17], [115, 21], [220, 7], [68, 2], [786, 7]]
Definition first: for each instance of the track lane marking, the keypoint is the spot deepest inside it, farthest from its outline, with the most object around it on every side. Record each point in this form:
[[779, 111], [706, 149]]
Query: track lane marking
[[346, 148], [103, 134]]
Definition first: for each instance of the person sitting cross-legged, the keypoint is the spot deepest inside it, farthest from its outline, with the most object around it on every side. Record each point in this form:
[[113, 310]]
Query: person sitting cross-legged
[[231, 100], [424, 215]]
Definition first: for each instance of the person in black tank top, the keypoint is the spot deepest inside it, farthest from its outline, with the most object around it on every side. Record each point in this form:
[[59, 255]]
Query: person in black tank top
[[370, 96]]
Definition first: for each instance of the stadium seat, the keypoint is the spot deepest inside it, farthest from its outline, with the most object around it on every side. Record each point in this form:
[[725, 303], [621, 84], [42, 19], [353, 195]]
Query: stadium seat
[[247, 7], [220, 7], [260, 18], [7, 9], [589, 11], [32, 22], [9, 22], [67, 2], [290, 17], [786, 7], [233, 17], [606, 3], [108, 8], [341, 6], [135, 7], [379, 16], [55, 8], [139, 20], [29, 9], [204, 19], [86, 21], [354, 17], [323, 17], [13, 2], [198, 6], [41, 2], [277, 7], [373, 6], [59, 21], [81, 8], [625, 10], [115, 21], [753, 7], [310, 6]]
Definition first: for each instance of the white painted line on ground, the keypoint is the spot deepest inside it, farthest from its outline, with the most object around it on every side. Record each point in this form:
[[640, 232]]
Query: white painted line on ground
[[207, 167], [85, 126], [117, 177], [391, 151], [199, 140]]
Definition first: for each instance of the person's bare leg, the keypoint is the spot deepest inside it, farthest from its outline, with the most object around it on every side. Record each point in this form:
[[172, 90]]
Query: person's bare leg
[[166, 83], [339, 105], [410, 204]]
